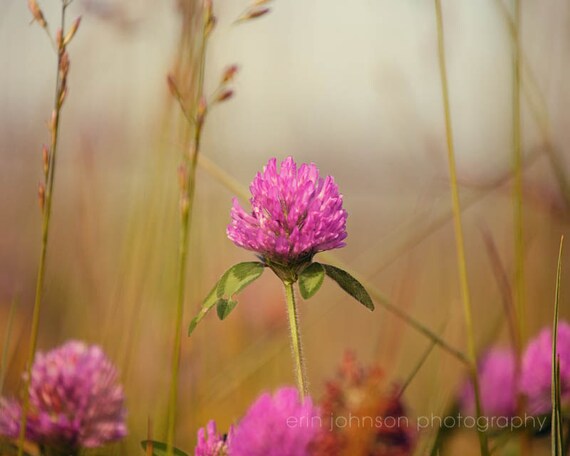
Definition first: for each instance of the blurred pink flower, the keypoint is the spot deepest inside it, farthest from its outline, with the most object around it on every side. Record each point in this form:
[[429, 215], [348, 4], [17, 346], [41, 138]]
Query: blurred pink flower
[[278, 425], [498, 385], [75, 400], [536, 375], [295, 214], [210, 443]]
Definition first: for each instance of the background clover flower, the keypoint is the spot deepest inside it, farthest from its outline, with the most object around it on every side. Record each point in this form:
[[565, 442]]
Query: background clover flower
[[536, 372], [278, 425], [75, 400], [498, 385], [210, 443], [363, 414], [295, 213]]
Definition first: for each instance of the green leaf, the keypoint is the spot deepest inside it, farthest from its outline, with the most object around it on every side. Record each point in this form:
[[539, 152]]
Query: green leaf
[[232, 282], [224, 307], [311, 279], [159, 448], [349, 284], [238, 277], [557, 425]]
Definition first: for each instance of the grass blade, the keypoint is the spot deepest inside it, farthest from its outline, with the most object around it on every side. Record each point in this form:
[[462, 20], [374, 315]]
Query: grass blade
[[556, 432], [6, 346]]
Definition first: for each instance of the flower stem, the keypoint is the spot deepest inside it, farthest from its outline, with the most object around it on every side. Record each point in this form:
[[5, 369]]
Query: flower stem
[[46, 204], [296, 346], [459, 238], [187, 204]]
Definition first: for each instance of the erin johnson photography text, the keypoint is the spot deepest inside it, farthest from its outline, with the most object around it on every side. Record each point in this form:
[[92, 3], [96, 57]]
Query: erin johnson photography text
[[482, 423]]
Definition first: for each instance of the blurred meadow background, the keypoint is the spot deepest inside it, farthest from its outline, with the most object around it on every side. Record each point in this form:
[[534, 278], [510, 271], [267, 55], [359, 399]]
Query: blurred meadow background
[[352, 86]]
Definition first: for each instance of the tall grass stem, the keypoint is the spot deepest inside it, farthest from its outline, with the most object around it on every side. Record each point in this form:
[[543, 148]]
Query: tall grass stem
[[187, 205], [518, 177], [46, 219], [6, 346], [458, 226]]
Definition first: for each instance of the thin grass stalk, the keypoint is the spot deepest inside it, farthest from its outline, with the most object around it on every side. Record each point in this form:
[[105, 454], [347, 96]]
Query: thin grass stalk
[[6, 346], [296, 345], [518, 235], [556, 431], [504, 285], [528, 84], [518, 178], [187, 205], [459, 238], [416, 369], [46, 199]]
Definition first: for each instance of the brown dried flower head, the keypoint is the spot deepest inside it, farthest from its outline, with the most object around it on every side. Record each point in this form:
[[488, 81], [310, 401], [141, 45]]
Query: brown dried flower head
[[363, 415]]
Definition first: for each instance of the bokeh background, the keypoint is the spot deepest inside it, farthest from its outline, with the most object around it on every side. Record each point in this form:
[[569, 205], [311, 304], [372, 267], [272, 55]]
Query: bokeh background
[[352, 86]]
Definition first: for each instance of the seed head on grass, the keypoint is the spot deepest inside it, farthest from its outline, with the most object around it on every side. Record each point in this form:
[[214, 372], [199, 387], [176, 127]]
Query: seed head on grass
[[75, 401]]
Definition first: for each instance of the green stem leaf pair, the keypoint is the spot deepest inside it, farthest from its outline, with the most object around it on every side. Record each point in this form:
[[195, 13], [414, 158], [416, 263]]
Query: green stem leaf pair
[[240, 275], [234, 280], [313, 276]]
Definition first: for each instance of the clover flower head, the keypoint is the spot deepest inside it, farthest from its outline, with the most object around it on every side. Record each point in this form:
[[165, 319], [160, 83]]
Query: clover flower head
[[536, 371], [210, 443], [75, 400], [498, 385], [295, 213], [278, 425]]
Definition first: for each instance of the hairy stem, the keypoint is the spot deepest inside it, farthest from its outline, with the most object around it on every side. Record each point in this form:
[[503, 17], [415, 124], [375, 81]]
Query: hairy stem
[[458, 226], [296, 346]]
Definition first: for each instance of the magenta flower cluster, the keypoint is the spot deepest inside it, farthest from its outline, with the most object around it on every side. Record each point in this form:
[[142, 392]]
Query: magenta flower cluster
[[499, 383], [295, 213], [536, 372], [210, 443], [278, 425], [75, 400]]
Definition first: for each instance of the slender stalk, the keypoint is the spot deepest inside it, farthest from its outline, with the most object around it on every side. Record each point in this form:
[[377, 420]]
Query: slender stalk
[[519, 295], [187, 204], [459, 238], [538, 107], [296, 346], [518, 177], [46, 203], [557, 429], [4, 359]]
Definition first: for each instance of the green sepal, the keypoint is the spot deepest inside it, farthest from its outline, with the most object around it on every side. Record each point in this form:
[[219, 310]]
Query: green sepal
[[349, 284], [311, 279], [232, 282], [159, 448]]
